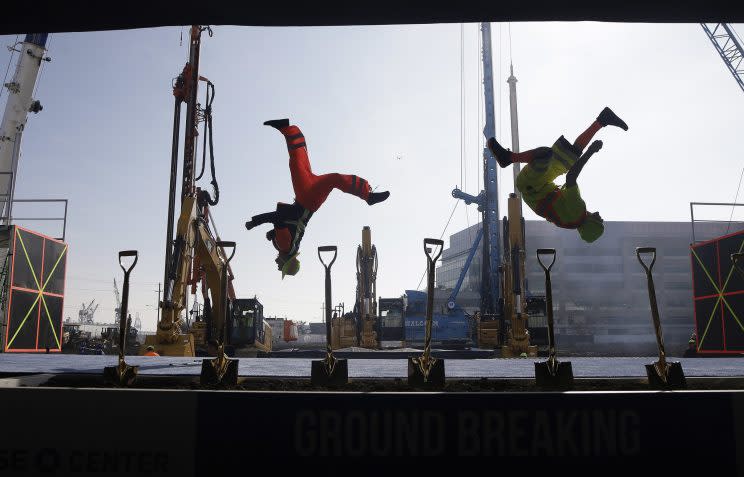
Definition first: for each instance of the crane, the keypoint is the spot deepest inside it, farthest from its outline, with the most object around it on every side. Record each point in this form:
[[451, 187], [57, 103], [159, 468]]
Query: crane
[[488, 199], [728, 46], [117, 310], [87, 312], [488, 204], [17, 107], [502, 296]]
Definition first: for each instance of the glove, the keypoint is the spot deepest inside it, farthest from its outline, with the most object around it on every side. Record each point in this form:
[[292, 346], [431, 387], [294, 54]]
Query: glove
[[595, 147]]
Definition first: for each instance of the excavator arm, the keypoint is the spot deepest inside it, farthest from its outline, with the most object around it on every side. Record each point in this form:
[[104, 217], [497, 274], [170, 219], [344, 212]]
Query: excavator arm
[[169, 327], [193, 241], [212, 260]]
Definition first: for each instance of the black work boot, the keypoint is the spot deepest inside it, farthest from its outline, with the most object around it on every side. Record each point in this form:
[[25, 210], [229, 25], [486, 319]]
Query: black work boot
[[249, 225], [503, 156], [608, 118], [375, 197], [277, 123]]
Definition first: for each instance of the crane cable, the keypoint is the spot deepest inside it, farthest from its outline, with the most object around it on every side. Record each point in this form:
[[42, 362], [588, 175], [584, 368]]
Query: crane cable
[[10, 61], [461, 105], [510, 45], [501, 137], [463, 161], [41, 67], [735, 199]]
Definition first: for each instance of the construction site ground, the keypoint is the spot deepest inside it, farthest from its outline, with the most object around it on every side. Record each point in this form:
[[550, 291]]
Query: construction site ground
[[365, 374]]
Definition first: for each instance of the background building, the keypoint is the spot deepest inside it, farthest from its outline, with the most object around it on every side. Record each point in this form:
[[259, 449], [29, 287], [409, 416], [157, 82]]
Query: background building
[[600, 294]]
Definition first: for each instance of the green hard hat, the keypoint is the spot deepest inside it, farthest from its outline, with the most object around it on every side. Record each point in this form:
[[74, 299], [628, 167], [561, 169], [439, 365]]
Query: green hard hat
[[591, 229], [291, 266]]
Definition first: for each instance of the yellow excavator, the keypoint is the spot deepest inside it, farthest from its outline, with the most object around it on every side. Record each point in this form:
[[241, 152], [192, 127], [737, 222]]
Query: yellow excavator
[[517, 342], [367, 291], [359, 327], [197, 256]]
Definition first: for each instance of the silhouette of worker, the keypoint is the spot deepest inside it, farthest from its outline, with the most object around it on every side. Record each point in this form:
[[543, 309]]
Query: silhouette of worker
[[563, 206], [290, 220]]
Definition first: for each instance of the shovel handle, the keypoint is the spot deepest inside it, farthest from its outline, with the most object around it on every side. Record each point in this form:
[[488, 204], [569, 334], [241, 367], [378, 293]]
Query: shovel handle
[[128, 253], [652, 250], [594, 147], [436, 243], [328, 248], [546, 251], [226, 244]]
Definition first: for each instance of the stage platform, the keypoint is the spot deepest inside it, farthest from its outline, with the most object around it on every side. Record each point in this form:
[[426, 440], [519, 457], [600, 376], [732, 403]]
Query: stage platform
[[62, 419], [594, 367]]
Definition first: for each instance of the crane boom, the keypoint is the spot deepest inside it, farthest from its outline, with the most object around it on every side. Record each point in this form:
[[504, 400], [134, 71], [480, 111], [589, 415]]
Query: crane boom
[[491, 225], [729, 48], [488, 199], [17, 107]]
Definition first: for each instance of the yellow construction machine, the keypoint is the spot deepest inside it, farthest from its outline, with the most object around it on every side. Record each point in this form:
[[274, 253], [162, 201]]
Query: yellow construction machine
[[359, 327], [197, 256], [517, 337], [366, 292]]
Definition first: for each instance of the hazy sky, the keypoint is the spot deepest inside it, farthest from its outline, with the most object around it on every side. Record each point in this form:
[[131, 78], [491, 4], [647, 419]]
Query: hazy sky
[[388, 103]]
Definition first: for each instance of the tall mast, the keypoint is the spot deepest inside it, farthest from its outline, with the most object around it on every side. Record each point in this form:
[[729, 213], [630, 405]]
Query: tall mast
[[17, 107], [492, 230], [185, 90], [514, 125], [488, 199]]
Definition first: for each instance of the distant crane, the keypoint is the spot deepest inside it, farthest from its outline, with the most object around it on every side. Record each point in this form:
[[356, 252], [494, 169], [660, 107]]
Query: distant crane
[[117, 310], [87, 313], [727, 44]]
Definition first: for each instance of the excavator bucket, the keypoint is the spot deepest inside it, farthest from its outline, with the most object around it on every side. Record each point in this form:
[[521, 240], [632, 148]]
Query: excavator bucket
[[559, 376], [222, 372], [322, 376]]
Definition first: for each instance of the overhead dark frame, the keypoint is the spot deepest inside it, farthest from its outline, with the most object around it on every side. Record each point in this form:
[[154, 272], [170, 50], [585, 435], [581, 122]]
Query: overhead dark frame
[[71, 16]]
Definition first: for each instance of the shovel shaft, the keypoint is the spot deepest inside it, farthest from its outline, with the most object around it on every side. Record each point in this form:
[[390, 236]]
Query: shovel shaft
[[655, 315], [328, 307], [327, 266], [429, 305], [431, 262], [548, 297], [549, 306], [225, 308], [652, 299], [123, 325], [123, 315]]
